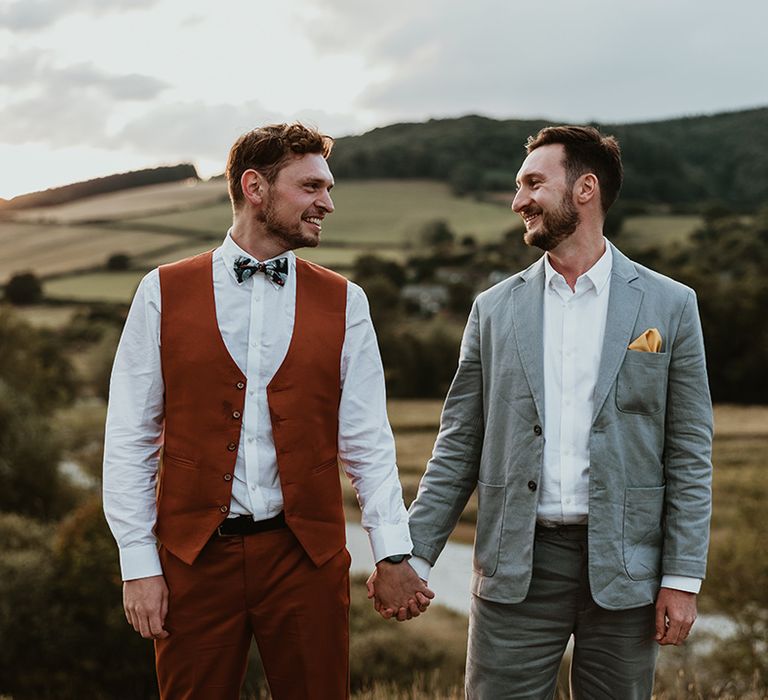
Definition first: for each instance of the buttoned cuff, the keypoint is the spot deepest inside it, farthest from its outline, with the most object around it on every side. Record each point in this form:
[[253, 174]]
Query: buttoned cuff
[[421, 566], [388, 540], [140, 562], [681, 583]]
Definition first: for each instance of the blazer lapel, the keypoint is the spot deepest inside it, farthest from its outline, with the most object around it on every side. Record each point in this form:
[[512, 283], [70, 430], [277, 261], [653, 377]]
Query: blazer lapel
[[528, 315], [623, 307]]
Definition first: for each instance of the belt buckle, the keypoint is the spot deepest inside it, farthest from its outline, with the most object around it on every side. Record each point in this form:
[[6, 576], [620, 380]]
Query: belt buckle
[[225, 534]]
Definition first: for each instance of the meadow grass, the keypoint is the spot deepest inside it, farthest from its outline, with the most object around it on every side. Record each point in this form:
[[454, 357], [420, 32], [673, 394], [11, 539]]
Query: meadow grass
[[96, 286], [130, 202], [48, 249], [371, 212], [658, 230]]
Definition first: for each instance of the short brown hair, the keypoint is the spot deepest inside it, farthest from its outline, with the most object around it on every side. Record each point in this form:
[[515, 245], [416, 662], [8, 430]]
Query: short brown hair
[[586, 151], [267, 149]]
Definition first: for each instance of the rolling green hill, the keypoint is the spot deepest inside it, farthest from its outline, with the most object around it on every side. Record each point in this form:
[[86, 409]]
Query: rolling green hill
[[686, 162]]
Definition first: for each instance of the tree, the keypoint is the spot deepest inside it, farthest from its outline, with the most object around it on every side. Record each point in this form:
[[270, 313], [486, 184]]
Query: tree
[[23, 289], [118, 262]]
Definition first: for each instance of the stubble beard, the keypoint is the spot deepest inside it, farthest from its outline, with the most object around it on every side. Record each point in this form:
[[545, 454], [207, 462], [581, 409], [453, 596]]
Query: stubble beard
[[289, 235], [556, 225]]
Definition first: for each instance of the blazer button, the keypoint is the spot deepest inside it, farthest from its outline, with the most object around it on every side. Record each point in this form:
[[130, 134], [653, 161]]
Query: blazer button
[[532, 485], [224, 509], [227, 477], [232, 446], [236, 414], [240, 385], [537, 430]]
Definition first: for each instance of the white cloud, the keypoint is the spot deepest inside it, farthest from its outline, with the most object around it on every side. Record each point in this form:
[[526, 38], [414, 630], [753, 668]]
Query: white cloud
[[596, 59], [32, 15]]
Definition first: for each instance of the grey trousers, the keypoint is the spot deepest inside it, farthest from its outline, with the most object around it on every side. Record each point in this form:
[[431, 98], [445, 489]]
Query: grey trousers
[[515, 650]]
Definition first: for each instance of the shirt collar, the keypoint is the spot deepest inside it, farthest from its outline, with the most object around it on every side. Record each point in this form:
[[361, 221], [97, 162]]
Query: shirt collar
[[598, 274], [230, 251]]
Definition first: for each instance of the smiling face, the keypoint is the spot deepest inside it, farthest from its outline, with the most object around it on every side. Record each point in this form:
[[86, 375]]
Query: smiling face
[[296, 203], [544, 198]]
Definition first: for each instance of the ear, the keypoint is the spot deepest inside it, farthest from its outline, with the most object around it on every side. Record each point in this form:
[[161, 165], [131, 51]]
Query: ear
[[586, 188], [253, 185]]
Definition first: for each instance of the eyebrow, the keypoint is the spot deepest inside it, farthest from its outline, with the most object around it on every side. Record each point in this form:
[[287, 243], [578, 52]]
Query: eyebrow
[[533, 174], [319, 181]]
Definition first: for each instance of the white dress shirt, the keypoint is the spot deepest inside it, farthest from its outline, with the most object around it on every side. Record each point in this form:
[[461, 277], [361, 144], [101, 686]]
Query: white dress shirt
[[256, 319], [574, 329]]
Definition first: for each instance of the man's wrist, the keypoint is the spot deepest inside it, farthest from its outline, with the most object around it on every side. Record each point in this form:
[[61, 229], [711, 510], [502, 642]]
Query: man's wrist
[[395, 559]]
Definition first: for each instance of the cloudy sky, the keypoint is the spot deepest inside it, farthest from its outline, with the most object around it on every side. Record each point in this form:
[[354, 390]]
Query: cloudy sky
[[93, 87]]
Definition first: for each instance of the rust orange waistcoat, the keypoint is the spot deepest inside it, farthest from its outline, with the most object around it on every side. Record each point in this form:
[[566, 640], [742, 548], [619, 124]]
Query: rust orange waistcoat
[[204, 399]]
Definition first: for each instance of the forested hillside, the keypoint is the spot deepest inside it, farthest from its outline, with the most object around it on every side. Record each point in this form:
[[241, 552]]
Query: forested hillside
[[687, 163]]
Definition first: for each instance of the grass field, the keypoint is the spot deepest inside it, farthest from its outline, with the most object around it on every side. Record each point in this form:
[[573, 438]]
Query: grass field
[[661, 231], [155, 224], [131, 202], [60, 249], [387, 212], [97, 286]]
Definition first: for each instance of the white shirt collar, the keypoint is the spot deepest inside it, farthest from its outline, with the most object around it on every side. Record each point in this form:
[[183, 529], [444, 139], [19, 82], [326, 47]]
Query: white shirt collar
[[230, 251], [598, 274]]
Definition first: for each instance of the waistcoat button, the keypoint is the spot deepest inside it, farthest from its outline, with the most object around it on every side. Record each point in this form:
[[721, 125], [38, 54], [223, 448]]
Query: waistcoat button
[[240, 385], [532, 485], [537, 430], [232, 446], [227, 477], [236, 414], [224, 509]]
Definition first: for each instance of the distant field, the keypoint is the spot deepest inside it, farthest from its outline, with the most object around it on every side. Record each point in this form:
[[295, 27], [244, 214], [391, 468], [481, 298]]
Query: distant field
[[60, 249], [131, 202], [377, 211], [648, 231], [383, 217], [97, 286]]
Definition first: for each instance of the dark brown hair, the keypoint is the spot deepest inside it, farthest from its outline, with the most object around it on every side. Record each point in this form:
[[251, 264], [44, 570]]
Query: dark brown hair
[[267, 149], [586, 151]]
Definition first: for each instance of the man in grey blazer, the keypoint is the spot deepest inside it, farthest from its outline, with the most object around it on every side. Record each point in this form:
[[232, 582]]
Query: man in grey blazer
[[580, 412]]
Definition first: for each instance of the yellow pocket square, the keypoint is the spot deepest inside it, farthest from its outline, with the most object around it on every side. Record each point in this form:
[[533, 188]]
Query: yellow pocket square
[[650, 341]]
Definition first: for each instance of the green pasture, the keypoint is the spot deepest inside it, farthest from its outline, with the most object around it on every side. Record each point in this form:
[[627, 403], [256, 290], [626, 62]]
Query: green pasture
[[96, 286], [130, 202], [658, 231], [52, 249], [371, 212]]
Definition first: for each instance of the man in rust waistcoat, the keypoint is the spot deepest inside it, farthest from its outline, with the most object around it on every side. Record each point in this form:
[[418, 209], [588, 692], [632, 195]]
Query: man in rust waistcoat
[[243, 377]]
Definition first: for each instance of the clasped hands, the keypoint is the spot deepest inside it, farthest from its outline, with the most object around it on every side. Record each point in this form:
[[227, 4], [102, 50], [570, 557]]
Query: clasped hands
[[397, 591]]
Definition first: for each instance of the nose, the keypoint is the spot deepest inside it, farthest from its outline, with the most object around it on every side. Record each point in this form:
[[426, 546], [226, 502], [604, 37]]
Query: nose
[[326, 202], [520, 200]]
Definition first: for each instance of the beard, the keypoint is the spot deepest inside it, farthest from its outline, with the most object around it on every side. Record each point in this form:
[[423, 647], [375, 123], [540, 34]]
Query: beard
[[288, 233], [555, 226]]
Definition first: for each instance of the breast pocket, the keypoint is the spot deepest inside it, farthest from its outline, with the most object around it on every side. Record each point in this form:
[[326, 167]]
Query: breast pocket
[[641, 386]]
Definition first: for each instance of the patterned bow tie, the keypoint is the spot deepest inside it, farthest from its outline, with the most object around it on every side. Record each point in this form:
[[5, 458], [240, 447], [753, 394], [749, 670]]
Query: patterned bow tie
[[276, 270]]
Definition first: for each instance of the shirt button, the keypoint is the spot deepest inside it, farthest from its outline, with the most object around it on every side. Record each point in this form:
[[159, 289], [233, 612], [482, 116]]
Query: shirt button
[[236, 414], [240, 385], [232, 446], [537, 430], [227, 477], [223, 509], [532, 485]]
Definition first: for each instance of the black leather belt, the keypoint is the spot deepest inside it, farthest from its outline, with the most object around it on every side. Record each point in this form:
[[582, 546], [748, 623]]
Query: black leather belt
[[246, 525]]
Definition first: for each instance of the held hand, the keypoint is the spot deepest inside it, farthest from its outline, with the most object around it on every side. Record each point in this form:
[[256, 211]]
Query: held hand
[[398, 591], [675, 614], [146, 604]]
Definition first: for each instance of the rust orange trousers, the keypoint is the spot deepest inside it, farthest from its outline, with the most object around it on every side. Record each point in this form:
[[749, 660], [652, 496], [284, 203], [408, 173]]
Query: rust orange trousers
[[263, 586]]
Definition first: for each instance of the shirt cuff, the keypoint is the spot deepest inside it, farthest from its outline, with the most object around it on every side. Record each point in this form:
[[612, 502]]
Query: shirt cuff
[[388, 540], [140, 562], [421, 566], [681, 583]]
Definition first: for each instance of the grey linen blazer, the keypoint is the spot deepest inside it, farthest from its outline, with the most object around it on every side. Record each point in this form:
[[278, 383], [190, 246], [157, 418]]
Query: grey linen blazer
[[650, 441]]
